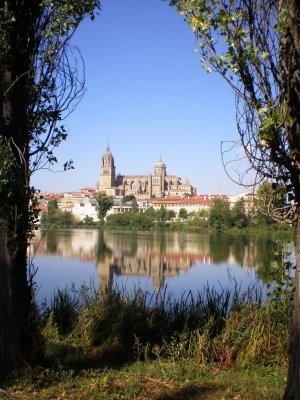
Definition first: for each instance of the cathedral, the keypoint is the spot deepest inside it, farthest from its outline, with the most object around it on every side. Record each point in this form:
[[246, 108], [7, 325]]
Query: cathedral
[[141, 186]]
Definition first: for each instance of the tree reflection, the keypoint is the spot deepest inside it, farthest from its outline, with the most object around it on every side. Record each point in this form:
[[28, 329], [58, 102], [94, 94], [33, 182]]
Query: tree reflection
[[133, 244], [266, 261], [103, 251], [52, 241], [242, 248], [161, 255], [219, 248]]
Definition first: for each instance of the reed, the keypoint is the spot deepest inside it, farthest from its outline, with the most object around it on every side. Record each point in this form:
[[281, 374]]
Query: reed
[[227, 327], [62, 310]]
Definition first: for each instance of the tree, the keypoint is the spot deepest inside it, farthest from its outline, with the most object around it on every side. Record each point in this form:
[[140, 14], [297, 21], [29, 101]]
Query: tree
[[238, 214], [39, 85], [255, 46], [161, 215], [270, 200], [219, 216], [53, 213], [128, 197], [199, 218], [170, 214], [67, 218], [150, 212], [134, 205], [183, 214], [88, 220], [104, 204]]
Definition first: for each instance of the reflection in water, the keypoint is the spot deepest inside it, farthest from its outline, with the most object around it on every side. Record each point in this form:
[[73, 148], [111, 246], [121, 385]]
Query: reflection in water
[[155, 255], [219, 248]]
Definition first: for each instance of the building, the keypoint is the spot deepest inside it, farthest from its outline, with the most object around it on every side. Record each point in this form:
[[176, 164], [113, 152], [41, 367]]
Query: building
[[141, 186], [248, 196], [190, 204]]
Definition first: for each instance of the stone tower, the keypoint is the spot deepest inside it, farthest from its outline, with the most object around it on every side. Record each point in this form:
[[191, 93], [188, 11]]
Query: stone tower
[[107, 172], [160, 168], [160, 172]]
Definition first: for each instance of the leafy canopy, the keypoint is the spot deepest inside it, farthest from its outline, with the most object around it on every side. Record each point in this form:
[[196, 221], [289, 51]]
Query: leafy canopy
[[243, 41], [104, 204]]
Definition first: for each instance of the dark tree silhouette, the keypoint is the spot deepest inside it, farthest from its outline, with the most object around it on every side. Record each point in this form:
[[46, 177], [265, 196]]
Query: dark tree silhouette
[[39, 85]]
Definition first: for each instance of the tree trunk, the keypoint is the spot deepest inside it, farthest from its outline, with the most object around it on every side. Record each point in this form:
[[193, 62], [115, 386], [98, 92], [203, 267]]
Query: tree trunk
[[17, 52], [290, 98], [292, 391], [15, 306]]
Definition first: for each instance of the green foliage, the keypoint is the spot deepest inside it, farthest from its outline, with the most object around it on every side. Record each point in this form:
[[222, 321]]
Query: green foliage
[[161, 215], [226, 22], [10, 180], [145, 220], [41, 83], [150, 212], [57, 81], [130, 219], [67, 218], [128, 198], [244, 42], [183, 213], [238, 214], [134, 204], [56, 217], [229, 327], [280, 290], [271, 201], [171, 214], [8, 183], [104, 204], [220, 216], [62, 312], [52, 204], [199, 218], [153, 319], [89, 221], [185, 378]]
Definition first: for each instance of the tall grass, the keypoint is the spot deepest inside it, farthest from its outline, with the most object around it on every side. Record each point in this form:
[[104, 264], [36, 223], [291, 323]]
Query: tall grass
[[226, 326]]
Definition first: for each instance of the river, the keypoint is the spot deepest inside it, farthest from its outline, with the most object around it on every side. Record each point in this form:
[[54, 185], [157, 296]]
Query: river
[[178, 261]]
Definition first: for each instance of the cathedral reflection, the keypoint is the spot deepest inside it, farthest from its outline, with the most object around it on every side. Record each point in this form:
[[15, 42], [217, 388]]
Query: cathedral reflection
[[162, 255], [154, 255]]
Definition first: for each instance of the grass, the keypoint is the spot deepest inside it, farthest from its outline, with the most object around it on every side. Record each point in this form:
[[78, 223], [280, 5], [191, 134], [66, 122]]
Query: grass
[[212, 324], [109, 345], [156, 380]]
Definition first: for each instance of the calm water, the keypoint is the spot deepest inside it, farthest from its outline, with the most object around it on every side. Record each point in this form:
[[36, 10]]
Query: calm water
[[150, 260]]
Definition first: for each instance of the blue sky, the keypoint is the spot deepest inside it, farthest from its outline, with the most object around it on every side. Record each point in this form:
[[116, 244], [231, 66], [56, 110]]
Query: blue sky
[[148, 95]]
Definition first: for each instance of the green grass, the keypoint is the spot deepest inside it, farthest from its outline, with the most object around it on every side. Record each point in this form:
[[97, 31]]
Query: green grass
[[109, 345], [156, 380], [111, 327]]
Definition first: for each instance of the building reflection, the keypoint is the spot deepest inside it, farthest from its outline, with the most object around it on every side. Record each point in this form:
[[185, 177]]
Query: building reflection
[[80, 244], [154, 255]]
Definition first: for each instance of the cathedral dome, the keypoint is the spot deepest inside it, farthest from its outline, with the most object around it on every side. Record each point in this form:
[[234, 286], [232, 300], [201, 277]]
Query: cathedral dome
[[160, 168], [160, 164]]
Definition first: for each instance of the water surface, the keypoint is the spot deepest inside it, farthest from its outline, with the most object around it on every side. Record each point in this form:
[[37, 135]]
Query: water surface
[[180, 261]]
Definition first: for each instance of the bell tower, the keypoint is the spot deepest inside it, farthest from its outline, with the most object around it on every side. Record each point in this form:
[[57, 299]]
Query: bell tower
[[107, 172]]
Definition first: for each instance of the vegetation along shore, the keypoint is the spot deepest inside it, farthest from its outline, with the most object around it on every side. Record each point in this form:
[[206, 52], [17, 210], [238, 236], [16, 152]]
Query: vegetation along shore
[[110, 345]]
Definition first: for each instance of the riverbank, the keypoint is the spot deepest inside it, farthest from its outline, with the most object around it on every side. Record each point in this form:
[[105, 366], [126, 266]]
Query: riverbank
[[153, 380], [110, 345], [254, 230]]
